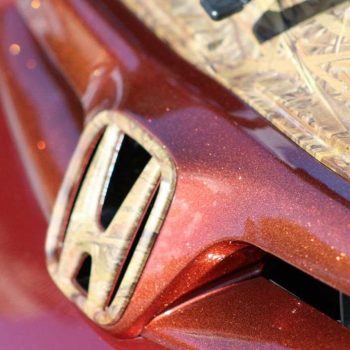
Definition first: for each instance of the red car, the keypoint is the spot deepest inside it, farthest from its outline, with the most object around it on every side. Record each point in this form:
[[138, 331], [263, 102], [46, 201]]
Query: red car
[[175, 174]]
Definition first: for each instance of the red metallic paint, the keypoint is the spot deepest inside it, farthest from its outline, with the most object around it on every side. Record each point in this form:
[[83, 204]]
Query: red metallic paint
[[225, 318], [238, 179], [33, 314], [30, 93]]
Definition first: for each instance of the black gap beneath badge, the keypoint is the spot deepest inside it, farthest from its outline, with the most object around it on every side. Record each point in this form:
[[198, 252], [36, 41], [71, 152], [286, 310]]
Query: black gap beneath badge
[[131, 160], [313, 292], [83, 275], [345, 309]]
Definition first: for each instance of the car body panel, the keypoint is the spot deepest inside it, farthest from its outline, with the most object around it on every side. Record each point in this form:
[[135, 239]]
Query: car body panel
[[235, 172], [225, 318]]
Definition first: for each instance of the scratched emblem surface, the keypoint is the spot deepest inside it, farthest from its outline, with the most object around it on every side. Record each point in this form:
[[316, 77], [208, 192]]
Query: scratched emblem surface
[[118, 251], [288, 59]]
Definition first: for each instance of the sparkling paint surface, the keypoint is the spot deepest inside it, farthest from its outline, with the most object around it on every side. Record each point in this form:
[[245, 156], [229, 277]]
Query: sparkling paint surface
[[44, 117], [241, 317], [234, 183], [33, 315]]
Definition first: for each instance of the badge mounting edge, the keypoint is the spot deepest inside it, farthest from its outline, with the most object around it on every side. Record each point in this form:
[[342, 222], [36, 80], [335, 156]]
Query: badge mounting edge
[[161, 167]]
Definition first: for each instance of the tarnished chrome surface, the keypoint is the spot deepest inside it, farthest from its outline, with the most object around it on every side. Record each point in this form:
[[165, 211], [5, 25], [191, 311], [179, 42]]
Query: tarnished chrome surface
[[75, 230], [287, 59]]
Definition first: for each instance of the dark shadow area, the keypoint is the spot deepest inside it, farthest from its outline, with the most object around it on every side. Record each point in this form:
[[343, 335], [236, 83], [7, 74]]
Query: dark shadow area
[[345, 309], [131, 161], [220, 9], [273, 23], [308, 289], [84, 272]]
